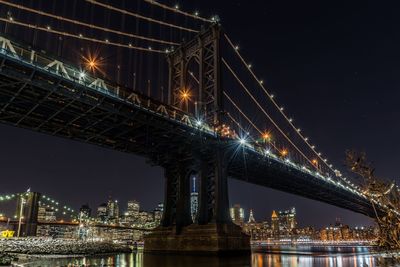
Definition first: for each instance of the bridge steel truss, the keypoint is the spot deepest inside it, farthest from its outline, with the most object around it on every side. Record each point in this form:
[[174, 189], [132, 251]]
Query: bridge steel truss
[[49, 102]]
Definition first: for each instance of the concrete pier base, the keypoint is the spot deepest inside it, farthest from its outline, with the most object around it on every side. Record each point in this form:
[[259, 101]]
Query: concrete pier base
[[198, 239]]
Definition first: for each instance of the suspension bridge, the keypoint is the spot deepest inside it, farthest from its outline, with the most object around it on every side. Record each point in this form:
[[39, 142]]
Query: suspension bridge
[[29, 221], [181, 95]]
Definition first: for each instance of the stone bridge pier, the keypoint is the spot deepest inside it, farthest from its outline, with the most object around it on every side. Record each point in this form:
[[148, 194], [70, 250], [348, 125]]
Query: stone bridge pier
[[213, 231]]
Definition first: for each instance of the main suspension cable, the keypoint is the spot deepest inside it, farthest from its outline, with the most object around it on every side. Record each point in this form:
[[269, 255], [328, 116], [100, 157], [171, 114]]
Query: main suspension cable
[[81, 37], [94, 2], [86, 24], [177, 10]]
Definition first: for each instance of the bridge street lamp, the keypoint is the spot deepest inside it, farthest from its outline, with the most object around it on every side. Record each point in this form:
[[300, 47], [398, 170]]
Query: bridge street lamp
[[284, 152], [267, 138], [315, 163], [185, 97], [198, 113]]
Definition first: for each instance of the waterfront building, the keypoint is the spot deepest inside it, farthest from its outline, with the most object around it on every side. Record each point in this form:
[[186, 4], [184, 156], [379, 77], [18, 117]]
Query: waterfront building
[[237, 214], [345, 231], [46, 214], [341, 232], [89, 232], [364, 233], [194, 201], [115, 233], [55, 230], [258, 230]]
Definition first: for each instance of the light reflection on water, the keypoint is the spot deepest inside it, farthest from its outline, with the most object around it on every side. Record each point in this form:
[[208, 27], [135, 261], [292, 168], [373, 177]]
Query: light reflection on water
[[266, 257]]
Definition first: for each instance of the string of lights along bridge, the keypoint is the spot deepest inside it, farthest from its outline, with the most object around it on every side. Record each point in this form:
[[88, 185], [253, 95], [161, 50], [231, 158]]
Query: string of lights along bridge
[[45, 201], [101, 50]]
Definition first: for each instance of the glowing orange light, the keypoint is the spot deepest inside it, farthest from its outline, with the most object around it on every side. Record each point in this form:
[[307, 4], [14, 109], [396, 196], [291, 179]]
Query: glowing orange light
[[284, 152], [266, 136], [315, 162], [93, 62], [185, 94]]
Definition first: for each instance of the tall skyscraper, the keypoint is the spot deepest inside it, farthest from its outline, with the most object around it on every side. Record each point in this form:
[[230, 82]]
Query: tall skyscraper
[[113, 211], [158, 212], [275, 223], [194, 201], [132, 213], [287, 219], [251, 217], [102, 216], [237, 214], [85, 212]]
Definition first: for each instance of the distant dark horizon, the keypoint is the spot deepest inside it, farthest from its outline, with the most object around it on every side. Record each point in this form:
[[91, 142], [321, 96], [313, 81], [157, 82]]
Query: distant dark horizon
[[334, 66]]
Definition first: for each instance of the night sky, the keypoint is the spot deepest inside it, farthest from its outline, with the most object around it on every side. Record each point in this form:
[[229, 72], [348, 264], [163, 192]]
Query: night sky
[[333, 65]]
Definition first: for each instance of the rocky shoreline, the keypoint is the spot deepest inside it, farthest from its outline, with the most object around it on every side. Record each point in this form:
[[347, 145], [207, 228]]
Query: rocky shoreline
[[41, 246]]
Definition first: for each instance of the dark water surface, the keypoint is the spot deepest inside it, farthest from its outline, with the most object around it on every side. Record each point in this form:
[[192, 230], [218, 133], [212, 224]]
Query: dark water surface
[[278, 256]]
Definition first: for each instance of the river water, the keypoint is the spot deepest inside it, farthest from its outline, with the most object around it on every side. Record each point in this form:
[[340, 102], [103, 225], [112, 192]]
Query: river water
[[282, 256]]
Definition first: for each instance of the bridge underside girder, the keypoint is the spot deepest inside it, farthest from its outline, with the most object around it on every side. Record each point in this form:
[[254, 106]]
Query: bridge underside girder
[[269, 173]]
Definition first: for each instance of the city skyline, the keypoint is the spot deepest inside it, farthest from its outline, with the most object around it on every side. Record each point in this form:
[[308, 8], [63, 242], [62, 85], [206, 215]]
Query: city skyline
[[123, 204]]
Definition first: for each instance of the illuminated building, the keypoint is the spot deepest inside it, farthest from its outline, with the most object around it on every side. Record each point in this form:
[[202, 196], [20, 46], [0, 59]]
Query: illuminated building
[[341, 232], [275, 223], [57, 231], [145, 218], [346, 234], [237, 214], [85, 212], [132, 214], [324, 234], [158, 212], [287, 220], [194, 201], [257, 230], [102, 213], [113, 211], [251, 217], [46, 214], [73, 231]]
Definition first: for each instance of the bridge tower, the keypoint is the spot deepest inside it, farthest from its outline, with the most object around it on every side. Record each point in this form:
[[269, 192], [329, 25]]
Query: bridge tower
[[195, 76], [194, 70], [28, 203]]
